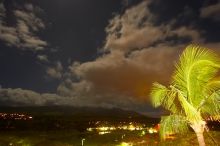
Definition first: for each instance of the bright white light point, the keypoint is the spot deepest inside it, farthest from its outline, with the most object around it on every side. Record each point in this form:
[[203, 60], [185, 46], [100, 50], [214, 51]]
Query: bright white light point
[[126, 144]]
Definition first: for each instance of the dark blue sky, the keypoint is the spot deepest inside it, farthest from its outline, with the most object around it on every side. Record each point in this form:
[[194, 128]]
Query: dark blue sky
[[75, 29], [81, 48]]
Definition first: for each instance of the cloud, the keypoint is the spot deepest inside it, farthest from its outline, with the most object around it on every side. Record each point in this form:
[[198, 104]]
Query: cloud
[[137, 52], [9, 35], [136, 29], [22, 34], [29, 7], [2, 10], [132, 30], [42, 58], [183, 31], [211, 11], [21, 97], [56, 71]]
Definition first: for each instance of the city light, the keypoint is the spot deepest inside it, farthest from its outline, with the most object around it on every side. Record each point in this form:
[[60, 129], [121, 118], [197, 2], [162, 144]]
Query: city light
[[143, 133], [152, 130], [125, 144], [104, 132], [15, 116], [101, 130]]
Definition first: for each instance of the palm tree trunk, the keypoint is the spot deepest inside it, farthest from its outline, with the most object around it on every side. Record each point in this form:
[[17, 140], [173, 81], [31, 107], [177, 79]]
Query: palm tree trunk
[[200, 139], [199, 129]]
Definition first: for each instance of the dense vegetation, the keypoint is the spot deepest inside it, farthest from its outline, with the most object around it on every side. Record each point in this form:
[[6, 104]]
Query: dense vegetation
[[193, 95]]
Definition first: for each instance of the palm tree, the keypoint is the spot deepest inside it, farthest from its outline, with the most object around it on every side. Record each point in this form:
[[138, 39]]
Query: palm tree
[[193, 95]]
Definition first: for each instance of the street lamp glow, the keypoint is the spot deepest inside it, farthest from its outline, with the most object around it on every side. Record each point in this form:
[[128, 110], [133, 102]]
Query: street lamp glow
[[83, 141]]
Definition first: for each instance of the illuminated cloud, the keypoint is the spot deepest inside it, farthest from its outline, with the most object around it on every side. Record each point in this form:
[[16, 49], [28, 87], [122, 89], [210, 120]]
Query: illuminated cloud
[[137, 51], [22, 34], [42, 58], [133, 29], [136, 29], [138, 54], [211, 11], [21, 97], [56, 71]]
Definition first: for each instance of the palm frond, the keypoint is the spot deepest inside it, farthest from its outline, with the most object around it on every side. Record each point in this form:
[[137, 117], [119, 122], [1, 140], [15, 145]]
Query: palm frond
[[158, 94], [194, 93], [191, 113], [211, 102], [197, 66], [172, 124], [171, 102], [211, 106], [212, 86], [165, 97]]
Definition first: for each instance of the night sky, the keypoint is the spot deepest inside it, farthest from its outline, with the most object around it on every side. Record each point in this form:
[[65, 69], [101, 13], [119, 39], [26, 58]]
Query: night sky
[[97, 52]]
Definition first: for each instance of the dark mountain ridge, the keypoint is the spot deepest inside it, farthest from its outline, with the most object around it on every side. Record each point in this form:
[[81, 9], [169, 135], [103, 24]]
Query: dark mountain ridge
[[67, 117], [97, 112]]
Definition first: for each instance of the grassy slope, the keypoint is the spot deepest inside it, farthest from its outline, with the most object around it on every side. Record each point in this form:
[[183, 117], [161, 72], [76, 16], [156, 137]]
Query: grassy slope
[[73, 138]]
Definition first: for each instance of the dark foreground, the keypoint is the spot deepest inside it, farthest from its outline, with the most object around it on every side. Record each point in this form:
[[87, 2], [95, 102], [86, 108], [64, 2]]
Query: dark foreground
[[77, 126], [119, 137]]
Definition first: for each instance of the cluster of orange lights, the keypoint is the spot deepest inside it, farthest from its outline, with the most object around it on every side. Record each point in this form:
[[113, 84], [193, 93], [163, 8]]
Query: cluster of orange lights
[[131, 127], [14, 116]]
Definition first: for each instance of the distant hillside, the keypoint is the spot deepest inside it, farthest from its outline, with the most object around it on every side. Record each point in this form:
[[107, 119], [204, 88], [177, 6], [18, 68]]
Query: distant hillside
[[67, 117], [89, 112]]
